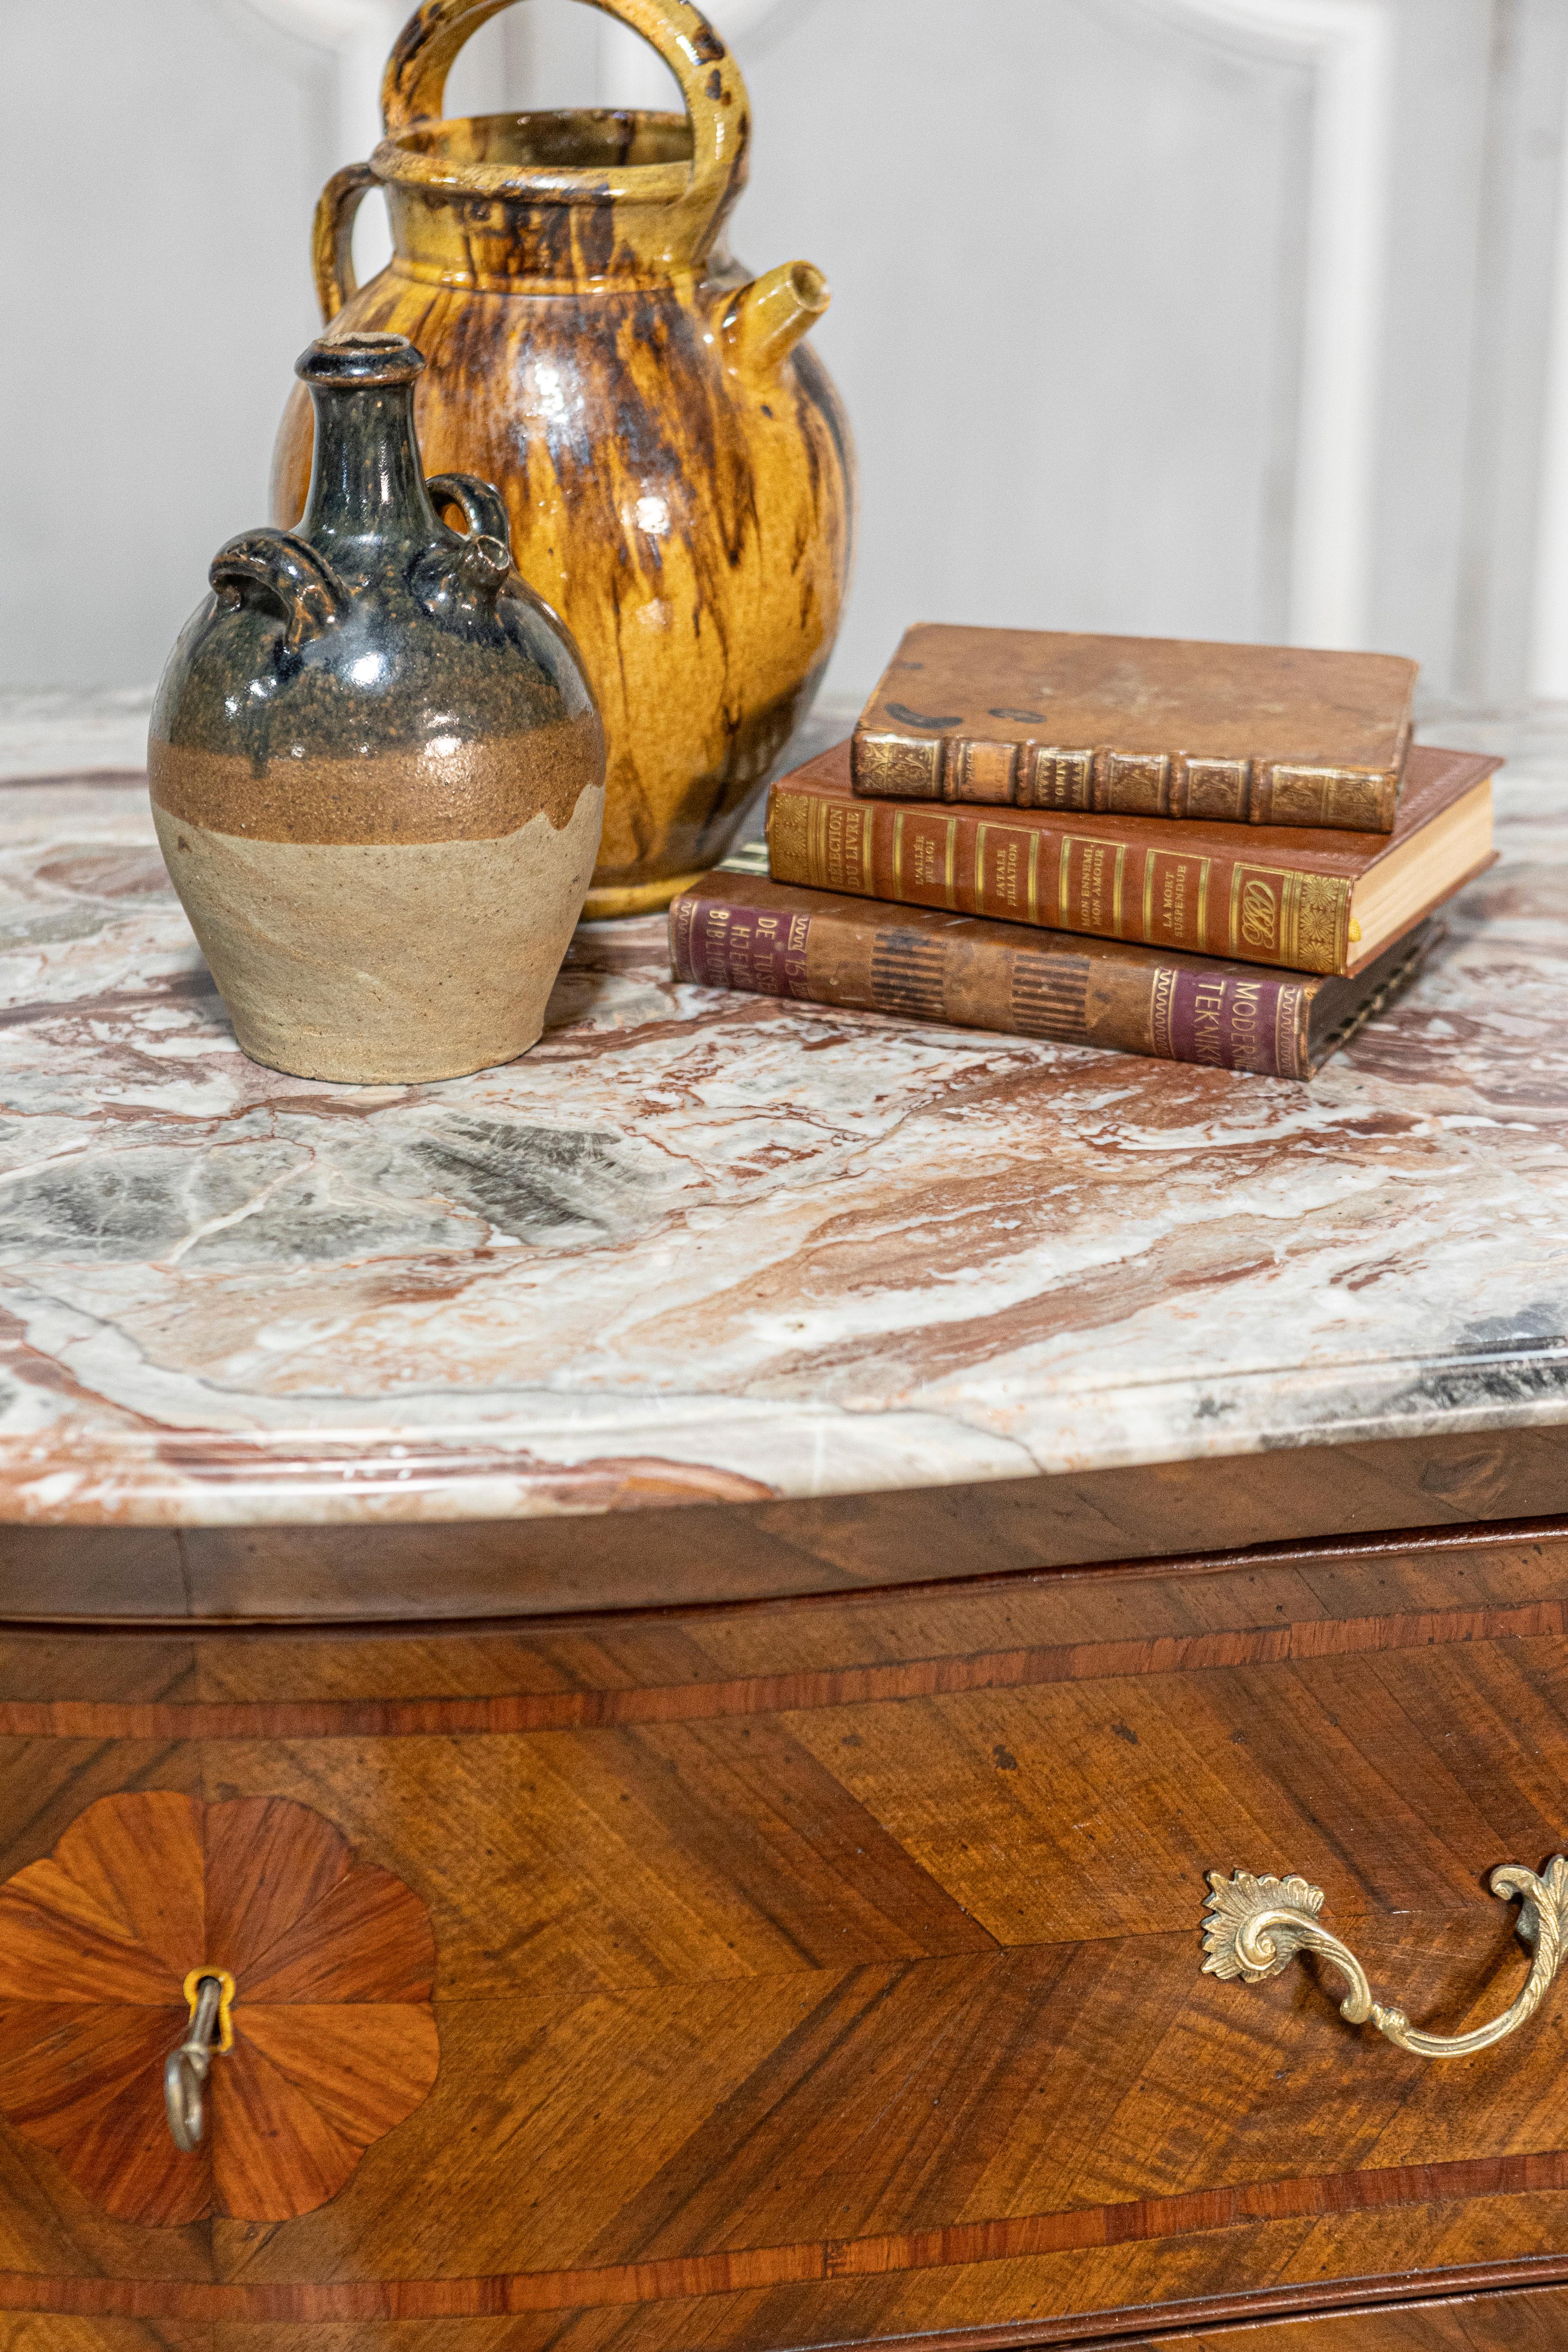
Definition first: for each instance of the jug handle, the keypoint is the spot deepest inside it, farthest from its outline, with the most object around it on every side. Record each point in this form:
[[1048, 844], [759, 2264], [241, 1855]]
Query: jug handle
[[289, 573], [483, 507], [414, 87], [331, 237]]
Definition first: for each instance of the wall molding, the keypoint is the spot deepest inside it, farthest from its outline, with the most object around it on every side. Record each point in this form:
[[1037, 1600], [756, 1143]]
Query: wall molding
[[1348, 46], [1549, 635], [356, 36], [1513, 610]]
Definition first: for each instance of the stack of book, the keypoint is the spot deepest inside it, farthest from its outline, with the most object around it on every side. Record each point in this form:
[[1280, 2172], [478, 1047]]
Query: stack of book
[[1227, 854]]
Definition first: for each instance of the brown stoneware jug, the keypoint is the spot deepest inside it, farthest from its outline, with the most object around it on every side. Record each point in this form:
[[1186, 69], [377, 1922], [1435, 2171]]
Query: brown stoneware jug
[[376, 766], [675, 460]]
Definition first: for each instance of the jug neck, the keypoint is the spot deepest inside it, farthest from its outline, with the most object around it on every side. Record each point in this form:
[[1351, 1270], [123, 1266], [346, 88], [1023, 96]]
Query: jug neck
[[366, 477], [586, 200]]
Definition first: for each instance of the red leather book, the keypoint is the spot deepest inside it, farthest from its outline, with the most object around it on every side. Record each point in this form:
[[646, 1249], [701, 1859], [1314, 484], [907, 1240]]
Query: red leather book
[[1309, 901]]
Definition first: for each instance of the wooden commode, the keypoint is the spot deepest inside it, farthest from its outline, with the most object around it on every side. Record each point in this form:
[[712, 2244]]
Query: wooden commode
[[676, 1644]]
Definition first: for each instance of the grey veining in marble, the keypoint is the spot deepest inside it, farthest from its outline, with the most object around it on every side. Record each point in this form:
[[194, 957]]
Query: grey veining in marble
[[699, 1244]]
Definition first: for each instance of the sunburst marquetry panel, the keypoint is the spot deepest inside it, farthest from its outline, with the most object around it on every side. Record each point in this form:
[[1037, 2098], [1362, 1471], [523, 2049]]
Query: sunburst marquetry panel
[[335, 2039]]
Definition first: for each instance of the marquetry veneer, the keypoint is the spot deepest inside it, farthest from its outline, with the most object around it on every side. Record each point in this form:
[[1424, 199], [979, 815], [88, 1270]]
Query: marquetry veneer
[[827, 1970]]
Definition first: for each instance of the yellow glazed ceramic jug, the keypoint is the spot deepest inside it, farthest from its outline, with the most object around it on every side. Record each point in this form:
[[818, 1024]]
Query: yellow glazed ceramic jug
[[675, 461]]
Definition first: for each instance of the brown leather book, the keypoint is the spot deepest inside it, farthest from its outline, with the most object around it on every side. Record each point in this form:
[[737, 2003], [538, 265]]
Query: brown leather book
[[1311, 902], [736, 930], [1139, 727]]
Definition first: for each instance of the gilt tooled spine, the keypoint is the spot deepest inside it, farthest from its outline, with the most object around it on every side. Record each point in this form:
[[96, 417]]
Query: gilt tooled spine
[[1100, 782], [1035, 870], [1223, 1020]]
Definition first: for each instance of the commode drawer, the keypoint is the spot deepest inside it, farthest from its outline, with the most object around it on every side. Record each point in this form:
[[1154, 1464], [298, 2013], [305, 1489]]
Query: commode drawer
[[821, 1972]]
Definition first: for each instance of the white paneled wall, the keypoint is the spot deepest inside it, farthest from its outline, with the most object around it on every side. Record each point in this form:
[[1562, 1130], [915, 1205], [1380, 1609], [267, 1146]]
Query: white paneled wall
[[1548, 648], [155, 283], [1220, 316], [1071, 355]]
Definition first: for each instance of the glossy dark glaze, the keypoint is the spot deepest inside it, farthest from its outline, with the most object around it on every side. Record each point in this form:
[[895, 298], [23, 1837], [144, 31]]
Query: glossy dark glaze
[[367, 668], [377, 764]]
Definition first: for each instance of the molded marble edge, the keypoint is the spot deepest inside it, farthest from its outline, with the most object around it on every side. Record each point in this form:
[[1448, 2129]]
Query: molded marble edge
[[686, 1452]]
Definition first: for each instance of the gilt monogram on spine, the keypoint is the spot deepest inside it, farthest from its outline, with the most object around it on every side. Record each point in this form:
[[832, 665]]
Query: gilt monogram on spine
[[1257, 912], [1299, 919]]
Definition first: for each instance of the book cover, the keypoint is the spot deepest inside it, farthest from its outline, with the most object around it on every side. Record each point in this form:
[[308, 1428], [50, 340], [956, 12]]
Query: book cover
[[1308, 900], [736, 930], [1150, 727]]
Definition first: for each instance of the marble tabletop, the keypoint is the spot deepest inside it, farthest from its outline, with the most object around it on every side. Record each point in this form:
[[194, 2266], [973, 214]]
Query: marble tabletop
[[699, 1245]]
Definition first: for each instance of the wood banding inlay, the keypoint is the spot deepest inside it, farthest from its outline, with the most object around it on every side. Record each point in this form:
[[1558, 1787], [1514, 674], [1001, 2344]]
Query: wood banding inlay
[[688, 2275], [930, 1677]]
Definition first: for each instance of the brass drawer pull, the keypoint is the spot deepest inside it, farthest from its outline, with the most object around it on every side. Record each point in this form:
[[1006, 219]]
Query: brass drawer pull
[[185, 2069], [1255, 1926]]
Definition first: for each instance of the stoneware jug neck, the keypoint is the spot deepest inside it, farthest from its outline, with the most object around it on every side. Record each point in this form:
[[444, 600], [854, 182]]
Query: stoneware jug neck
[[366, 479]]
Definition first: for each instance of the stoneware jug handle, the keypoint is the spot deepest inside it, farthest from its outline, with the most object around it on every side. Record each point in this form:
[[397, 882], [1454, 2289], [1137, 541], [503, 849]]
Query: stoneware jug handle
[[483, 507], [483, 564], [332, 240], [287, 572], [414, 87]]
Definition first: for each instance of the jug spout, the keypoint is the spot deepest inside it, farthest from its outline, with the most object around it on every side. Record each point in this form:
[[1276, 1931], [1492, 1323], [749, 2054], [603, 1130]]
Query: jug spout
[[768, 318]]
